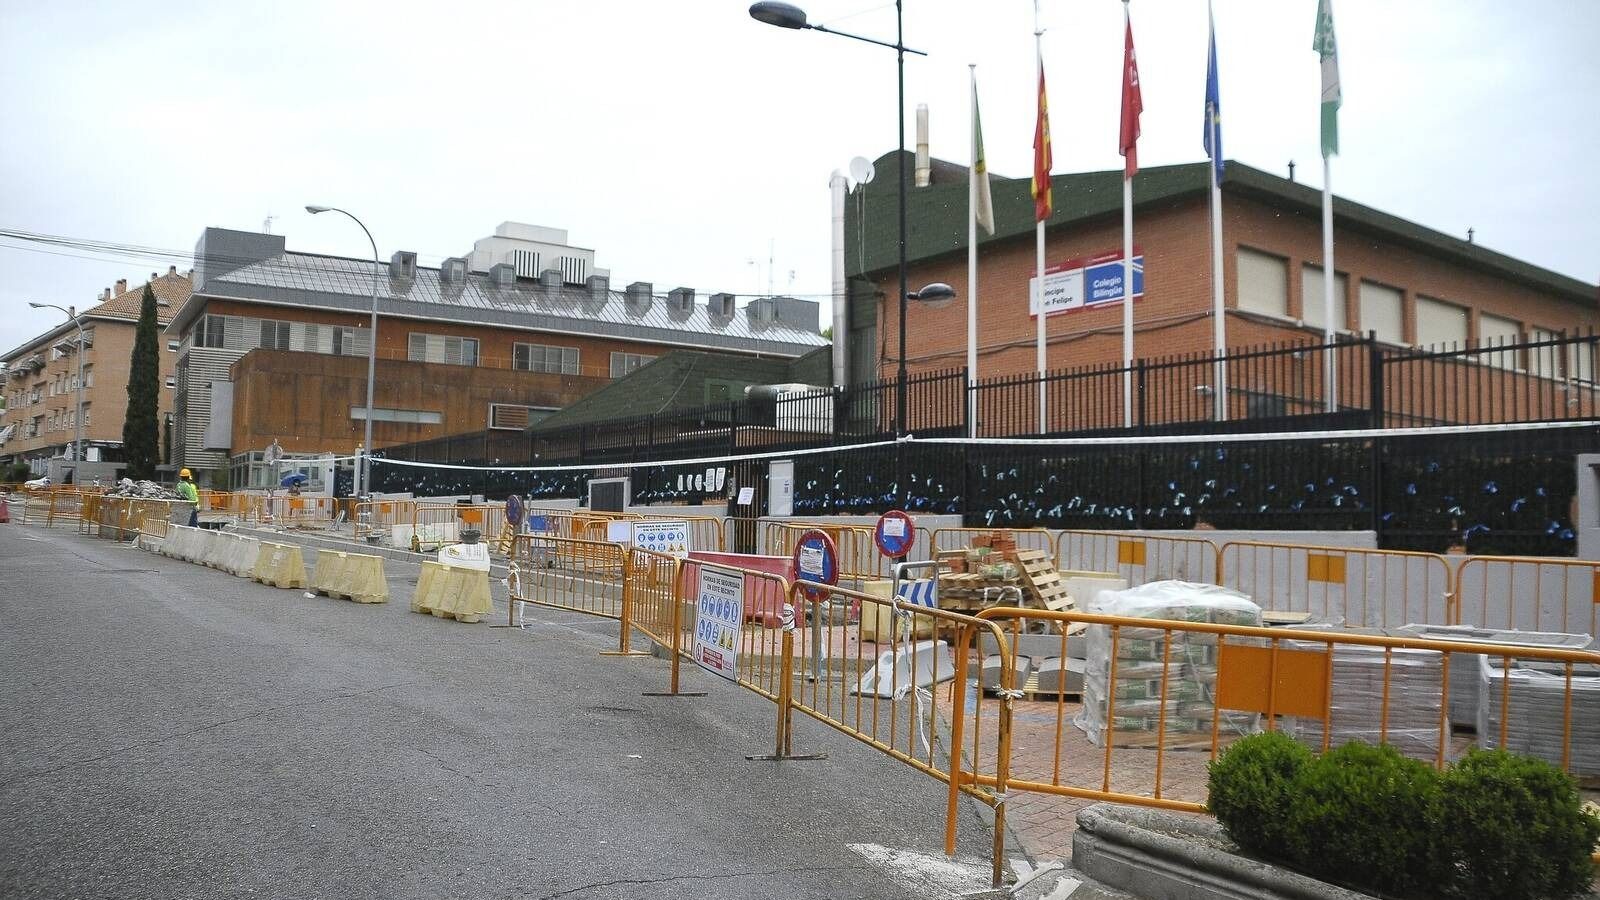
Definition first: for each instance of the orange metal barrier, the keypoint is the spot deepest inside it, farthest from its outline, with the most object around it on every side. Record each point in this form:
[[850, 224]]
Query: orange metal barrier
[[1528, 594], [1164, 687], [1374, 588], [705, 532], [380, 516], [443, 522], [859, 558], [1138, 557], [567, 573]]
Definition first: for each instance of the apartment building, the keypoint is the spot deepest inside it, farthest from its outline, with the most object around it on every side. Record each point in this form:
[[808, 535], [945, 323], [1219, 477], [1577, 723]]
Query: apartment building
[[40, 378], [497, 338]]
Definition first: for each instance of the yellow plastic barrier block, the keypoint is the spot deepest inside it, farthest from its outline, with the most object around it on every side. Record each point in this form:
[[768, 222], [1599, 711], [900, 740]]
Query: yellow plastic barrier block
[[280, 565], [361, 579], [242, 553], [325, 578], [453, 592]]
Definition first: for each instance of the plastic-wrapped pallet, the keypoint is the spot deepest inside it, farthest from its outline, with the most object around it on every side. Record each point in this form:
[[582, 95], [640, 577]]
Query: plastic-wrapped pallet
[[1357, 699], [1136, 704], [1535, 724]]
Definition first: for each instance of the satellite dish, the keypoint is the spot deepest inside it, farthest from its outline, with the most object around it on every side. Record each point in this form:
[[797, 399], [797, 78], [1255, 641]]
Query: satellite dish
[[861, 170]]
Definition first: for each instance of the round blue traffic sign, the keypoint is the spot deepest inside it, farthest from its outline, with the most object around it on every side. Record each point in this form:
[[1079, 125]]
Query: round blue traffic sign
[[894, 534], [816, 564], [514, 510]]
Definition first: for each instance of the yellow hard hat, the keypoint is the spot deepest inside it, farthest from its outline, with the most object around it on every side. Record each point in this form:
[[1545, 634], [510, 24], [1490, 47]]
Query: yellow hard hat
[[184, 473]]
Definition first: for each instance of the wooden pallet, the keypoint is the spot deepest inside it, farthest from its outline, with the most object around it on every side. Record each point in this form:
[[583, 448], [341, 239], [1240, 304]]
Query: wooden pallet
[[1041, 582]]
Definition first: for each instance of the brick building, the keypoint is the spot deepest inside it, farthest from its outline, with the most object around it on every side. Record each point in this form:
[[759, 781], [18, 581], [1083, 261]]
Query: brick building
[[498, 339], [40, 378], [1411, 285]]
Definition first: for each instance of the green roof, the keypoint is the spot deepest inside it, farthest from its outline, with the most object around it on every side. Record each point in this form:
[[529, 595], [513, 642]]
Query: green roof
[[936, 216], [678, 380]]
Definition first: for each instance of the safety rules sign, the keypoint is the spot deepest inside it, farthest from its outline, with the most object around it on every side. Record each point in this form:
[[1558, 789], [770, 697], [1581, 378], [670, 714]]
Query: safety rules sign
[[719, 621]]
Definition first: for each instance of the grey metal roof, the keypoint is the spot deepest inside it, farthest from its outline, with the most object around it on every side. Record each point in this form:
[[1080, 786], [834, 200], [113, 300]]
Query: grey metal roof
[[337, 283]]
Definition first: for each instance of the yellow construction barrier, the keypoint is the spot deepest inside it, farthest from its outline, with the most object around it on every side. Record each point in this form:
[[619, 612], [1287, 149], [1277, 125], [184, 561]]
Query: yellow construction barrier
[[452, 592], [279, 565], [239, 555], [350, 576]]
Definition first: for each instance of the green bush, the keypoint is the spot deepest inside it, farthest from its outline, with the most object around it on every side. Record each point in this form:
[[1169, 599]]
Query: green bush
[[1365, 813], [1494, 825], [1514, 828], [1249, 790]]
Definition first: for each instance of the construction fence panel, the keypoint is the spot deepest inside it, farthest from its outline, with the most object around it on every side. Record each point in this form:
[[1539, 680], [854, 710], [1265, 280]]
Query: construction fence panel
[[1340, 585], [380, 516], [859, 559], [566, 573], [1140, 558], [1161, 698], [705, 532], [1529, 594]]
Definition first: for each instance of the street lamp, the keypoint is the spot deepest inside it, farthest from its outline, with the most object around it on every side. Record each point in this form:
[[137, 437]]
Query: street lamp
[[785, 15], [77, 416], [363, 470]]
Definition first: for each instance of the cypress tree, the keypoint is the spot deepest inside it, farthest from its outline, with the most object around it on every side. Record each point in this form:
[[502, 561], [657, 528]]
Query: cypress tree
[[140, 431]]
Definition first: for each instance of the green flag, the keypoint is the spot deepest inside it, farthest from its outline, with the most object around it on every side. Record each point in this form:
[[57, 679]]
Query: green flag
[[983, 202], [1324, 44]]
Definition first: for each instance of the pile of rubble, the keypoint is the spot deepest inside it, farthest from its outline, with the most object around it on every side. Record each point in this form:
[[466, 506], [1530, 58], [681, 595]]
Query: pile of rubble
[[142, 490]]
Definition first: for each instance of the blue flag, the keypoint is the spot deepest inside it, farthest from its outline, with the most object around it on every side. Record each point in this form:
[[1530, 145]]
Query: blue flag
[[1213, 129]]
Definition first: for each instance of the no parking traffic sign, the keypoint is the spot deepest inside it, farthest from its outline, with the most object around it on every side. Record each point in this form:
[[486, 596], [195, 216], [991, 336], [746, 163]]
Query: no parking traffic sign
[[894, 534], [816, 564]]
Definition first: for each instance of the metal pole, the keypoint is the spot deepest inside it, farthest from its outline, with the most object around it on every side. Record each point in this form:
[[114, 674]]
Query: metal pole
[[1039, 336], [972, 266], [1327, 288], [1219, 337], [1127, 271], [900, 64], [77, 418]]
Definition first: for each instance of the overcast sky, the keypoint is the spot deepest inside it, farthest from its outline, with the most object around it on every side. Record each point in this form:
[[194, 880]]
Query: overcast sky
[[681, 140]]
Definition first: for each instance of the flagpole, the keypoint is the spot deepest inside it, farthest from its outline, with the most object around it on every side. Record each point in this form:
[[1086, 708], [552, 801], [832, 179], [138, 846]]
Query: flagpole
[[1127, 276], [972, 265], [1219, 328], [1325, 46], [1219, 324], [1327, 288], [1038, 48]]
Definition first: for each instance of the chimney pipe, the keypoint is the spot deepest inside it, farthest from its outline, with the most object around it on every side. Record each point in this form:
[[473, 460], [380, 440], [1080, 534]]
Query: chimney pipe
[[841, 313], [172, 270], [924, 169], [122, 286]]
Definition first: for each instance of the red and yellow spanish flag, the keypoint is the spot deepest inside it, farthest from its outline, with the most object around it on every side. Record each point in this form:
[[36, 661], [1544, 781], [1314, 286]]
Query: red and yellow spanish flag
[[1041, 157]]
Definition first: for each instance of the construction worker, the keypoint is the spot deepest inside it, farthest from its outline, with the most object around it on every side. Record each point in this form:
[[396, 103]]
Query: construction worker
[[189, 492]]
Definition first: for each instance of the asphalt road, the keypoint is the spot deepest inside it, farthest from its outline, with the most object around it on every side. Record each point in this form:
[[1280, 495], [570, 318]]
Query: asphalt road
[[171, 731]]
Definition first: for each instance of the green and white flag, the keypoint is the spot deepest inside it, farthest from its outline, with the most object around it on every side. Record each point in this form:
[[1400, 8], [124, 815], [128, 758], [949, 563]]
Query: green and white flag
[[983, 200], [1324, 44]]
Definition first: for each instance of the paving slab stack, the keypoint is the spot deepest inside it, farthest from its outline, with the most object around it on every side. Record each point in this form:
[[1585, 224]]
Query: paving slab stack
[[1356, 698], [1535, 722], [1135, 699]]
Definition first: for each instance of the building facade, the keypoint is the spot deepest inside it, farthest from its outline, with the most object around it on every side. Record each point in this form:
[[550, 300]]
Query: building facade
[[1409, 285], [41, 378], [475, 343]]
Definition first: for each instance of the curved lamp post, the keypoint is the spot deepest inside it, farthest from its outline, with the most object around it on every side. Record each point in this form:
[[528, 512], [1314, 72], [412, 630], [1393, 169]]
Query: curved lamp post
[[77, 415], [363, 470], [785, 15]]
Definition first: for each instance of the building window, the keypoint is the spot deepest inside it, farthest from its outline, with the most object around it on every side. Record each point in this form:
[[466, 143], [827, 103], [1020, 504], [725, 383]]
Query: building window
[[88, 376], [211, 332], [86, 415], [512, 417], [172, 346], [274, 335], [1542, 360], [1580, 360], [438, 348], [406, 416], [1263, 283], [1498, 331], [344, 341], [1312, 301], [172, 382], [623, 363], [1383, 311], [544, 358], [1439, 322]]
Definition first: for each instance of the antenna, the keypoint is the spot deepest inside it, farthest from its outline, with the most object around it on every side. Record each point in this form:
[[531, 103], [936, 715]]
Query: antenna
[[772, 249]]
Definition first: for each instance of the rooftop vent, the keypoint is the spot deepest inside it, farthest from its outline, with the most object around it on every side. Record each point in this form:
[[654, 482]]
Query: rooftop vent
[[639, 296], [762, 312], [403, 264], [453, 270], [599, 287], [550, 278], [503, 275], [681, 301], [721, 308]]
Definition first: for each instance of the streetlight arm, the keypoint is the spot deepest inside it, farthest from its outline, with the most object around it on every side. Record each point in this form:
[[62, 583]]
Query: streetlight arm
[[363, 468], [858, 37]]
